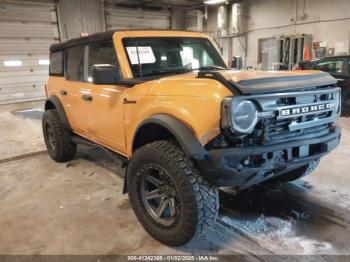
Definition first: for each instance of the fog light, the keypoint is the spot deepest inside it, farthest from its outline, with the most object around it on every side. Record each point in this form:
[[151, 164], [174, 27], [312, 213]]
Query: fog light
[[246, 161]]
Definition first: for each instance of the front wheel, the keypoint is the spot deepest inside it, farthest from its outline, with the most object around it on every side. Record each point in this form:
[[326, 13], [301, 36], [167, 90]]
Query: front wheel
[[170, 198]]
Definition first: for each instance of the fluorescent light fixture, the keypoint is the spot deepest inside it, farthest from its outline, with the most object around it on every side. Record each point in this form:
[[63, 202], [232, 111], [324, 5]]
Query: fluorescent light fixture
[[44, 62], [214, 2], [13, 63]]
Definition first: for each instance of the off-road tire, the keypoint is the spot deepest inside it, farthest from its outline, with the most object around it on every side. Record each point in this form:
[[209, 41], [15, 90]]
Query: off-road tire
[[199, 200], [293, 175], [64, 149], [302, 171]]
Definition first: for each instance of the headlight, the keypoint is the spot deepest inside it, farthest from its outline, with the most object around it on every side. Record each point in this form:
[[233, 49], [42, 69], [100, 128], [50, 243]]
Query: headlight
[[239, 116]]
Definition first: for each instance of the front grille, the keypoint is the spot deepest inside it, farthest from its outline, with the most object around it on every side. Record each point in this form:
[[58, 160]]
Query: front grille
[[296, 115], [279, 129], [278, 132]]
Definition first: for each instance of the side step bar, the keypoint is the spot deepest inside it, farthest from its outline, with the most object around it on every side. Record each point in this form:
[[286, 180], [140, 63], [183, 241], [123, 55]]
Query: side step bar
[[80, 140]]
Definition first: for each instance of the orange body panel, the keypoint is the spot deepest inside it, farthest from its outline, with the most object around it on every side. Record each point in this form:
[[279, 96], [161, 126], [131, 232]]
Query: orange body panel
[[109, 122], [195, 102]]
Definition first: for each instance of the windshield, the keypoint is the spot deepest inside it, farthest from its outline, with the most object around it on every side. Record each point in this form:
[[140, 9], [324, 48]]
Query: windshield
[[149, 57]]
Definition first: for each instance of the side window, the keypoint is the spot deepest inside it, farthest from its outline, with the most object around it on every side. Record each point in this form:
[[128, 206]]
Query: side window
[[101, 53], [75, 63], [56, 63], [333, 66], [306, 66]]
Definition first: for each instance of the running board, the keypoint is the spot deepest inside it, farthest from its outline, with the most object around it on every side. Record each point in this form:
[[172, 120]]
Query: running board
[[80, 140]]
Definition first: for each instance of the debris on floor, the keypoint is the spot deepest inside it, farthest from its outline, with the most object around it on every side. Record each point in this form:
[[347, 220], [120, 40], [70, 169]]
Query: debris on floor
[[35, 114], [279, 235]]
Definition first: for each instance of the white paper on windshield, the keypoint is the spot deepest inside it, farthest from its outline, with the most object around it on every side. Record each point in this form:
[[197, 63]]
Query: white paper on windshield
[[146, 55]]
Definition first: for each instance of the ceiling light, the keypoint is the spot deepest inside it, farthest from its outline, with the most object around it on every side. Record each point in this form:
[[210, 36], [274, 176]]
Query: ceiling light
[[214, 2], [13, 63], [44, 62]]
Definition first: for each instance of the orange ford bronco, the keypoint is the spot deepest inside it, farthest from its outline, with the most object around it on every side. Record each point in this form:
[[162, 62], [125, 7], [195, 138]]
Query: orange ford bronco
[[183, 123]]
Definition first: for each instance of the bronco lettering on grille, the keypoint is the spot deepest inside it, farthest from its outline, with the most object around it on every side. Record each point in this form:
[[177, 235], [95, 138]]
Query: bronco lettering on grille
[[305, 109]]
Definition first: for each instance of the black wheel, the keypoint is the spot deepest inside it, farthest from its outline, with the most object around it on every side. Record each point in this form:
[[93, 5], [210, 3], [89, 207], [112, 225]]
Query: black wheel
[[57, 138], [170, 198]]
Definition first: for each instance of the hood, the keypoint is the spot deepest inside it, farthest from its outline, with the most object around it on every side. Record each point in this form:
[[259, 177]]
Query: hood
[[259, 82]]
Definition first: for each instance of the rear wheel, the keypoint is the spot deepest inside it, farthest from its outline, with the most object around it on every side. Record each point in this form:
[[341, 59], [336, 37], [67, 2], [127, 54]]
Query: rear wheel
[[170, 198], [57, 137]]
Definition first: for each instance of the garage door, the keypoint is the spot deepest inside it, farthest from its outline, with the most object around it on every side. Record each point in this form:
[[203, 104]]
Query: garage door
[[125, 18], [27, 28]]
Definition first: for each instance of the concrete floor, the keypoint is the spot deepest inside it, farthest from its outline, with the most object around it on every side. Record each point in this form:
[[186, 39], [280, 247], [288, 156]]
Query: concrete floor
[[78, 207]]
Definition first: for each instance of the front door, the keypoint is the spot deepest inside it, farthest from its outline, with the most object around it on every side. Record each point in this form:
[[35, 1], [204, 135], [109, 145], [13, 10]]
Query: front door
[[103, 104]]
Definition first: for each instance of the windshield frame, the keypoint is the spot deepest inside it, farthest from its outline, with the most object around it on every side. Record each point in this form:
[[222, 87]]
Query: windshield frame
[[168, 73]]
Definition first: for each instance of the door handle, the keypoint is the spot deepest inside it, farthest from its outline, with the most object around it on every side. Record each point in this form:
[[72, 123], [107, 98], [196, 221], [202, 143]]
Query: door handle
[[126, 101], [86, 97], [63, 92]]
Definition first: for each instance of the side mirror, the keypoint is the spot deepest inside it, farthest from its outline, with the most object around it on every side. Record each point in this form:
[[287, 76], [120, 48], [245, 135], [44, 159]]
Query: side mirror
[[105, 74]]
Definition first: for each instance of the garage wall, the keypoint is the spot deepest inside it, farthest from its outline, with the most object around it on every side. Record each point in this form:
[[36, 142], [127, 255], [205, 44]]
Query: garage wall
[[127, 18], [178, 18], [326, 20], [27, 29], [91, 16], [77, 16]]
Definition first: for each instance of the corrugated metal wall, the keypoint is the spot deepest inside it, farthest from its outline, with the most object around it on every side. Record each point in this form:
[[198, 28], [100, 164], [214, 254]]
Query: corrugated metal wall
[[27, 29], [125, 18], [80, 16]]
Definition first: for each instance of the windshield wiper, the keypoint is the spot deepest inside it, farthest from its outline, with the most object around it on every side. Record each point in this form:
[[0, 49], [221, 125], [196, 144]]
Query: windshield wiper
[[164, 72], [208, 67], [159, 72], [212, 67]]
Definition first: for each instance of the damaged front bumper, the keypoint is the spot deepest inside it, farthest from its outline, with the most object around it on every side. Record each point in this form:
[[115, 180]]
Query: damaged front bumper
[[244, 167]]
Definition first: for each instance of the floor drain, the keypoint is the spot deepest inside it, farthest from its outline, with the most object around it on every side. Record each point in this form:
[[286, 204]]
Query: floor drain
[[22, 157]]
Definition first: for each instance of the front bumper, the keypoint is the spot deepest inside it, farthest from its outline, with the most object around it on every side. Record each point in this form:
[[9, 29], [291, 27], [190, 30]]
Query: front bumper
[[244, 167]]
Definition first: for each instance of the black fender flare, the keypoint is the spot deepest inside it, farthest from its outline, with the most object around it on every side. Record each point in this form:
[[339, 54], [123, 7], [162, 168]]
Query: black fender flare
[[59, 107], [182, 134], [180, 131]]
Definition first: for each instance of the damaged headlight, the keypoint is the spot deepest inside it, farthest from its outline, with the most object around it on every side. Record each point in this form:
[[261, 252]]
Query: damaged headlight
[[239, 116]]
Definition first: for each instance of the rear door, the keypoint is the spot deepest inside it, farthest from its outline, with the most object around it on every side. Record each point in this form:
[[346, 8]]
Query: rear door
[[69, 90]]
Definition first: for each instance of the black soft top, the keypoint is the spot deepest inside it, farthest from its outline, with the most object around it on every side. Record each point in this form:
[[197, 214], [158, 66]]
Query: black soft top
[[98, 37]]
